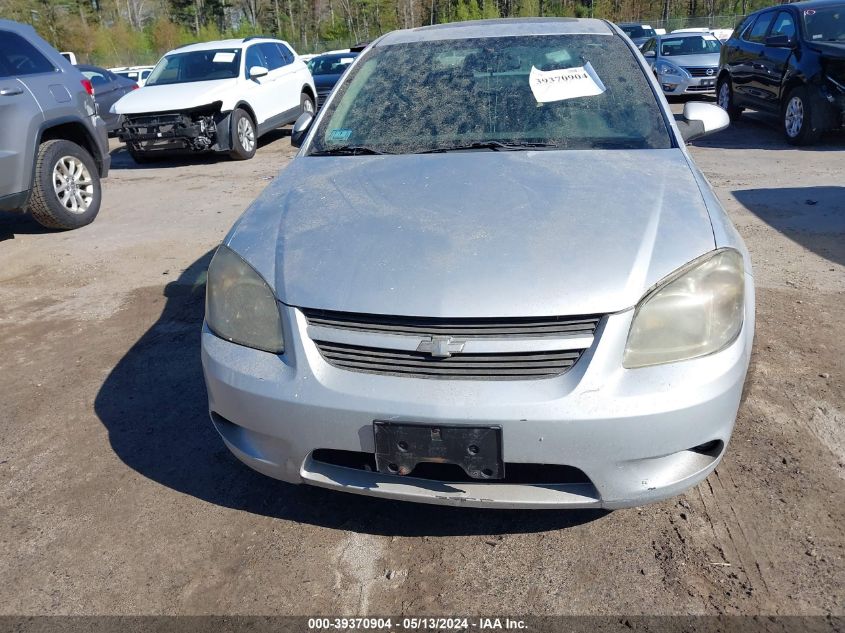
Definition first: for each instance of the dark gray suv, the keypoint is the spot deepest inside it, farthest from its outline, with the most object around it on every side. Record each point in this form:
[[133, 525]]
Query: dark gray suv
[[53, 146]]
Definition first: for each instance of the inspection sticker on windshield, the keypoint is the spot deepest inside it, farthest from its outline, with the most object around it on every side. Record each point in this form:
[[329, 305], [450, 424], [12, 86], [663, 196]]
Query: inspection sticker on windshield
[[223, 58], [340, 135], [565, 83]]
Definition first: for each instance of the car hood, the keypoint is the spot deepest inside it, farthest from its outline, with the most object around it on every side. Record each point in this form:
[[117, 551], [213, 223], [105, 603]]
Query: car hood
[[706, 59], [173, 97], [325, 81], [475, 234]]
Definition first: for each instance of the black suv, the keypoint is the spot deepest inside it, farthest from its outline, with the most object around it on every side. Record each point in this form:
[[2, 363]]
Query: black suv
[[788, 60]]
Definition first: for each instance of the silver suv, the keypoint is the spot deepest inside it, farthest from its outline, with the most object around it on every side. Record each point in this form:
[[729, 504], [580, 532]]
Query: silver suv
[[53, 146]]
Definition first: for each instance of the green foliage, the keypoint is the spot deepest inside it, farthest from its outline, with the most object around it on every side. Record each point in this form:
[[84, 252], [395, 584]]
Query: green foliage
[[123, 32]]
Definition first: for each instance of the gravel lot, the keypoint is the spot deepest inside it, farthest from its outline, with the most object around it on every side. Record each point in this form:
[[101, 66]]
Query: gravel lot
[[117, 496]]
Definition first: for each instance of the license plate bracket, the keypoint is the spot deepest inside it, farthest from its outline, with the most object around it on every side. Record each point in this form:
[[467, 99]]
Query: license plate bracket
[[476, 449]]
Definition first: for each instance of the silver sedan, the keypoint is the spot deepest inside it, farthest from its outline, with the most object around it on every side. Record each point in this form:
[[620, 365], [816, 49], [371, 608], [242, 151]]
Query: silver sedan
[[684, 63], [491, 277]]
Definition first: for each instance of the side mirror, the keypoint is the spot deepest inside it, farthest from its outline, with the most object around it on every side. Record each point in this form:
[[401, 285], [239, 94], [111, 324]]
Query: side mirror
[[779, 41], [300, 129], [700, 119], [258, 71]]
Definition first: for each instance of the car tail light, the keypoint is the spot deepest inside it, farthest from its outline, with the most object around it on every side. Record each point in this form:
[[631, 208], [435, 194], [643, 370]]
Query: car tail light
[[89, 88], [135, 86]]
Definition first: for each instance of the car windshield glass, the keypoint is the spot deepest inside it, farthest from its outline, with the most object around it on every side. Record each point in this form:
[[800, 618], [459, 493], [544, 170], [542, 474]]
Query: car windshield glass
[[695, 45], [552, 92], [825, 24], [178, 68], [330, 64]]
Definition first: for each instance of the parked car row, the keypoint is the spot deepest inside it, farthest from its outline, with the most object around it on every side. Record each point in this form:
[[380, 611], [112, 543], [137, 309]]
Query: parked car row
[[222, 96], [788, 61]]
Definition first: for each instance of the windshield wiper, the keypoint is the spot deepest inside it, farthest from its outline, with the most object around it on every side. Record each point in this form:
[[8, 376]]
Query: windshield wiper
[[348, 150], [496, 146]]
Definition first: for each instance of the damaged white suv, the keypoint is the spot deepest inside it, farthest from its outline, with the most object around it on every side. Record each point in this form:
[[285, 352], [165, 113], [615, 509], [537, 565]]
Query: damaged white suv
[[216, 96]]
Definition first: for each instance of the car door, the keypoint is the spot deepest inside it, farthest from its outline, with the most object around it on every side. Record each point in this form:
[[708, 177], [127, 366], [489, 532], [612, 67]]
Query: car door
[[754, 91], [286, 84], [20, 114], [258, 91], [776, 59]]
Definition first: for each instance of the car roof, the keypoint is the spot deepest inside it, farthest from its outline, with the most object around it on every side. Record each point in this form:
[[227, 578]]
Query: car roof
[[807, 4], [508, 27], [210, 46], [17, 27]]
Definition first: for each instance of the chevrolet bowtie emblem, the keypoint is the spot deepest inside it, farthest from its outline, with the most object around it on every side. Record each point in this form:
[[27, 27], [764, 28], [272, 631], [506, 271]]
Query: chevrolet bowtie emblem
[[440, 346]]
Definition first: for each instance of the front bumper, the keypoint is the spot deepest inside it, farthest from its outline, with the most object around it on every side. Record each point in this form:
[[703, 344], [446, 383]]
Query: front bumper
[[196, 130], [676, 85], [631, 432]]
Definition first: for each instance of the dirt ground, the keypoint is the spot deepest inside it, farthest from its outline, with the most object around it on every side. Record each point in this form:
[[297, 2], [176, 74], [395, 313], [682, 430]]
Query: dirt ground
[[117, 496]]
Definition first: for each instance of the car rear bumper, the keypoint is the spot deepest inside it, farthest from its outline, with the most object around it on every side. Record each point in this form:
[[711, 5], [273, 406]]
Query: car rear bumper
[[636, 436]]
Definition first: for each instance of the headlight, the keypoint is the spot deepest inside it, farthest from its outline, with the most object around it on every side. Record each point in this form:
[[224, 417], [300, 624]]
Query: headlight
[[665, 68], [239, 305], [696, 311]]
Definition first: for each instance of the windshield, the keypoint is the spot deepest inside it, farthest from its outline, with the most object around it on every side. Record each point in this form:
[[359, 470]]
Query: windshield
[[689, 46], [330, 64], [825, 24], [177, 68], [637, 31], [560, 91]]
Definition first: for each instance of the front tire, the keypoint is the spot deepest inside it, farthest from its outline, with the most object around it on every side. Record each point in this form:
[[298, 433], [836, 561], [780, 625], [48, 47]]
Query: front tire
[[244, 137], [725, 99], [66, 191], [797, 118]]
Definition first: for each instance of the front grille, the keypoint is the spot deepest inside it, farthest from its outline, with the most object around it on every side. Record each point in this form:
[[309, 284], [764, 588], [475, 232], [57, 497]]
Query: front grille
[[458, 328], [700, 89], [478, 366], [362, 353], [701, 71], [322, 95]]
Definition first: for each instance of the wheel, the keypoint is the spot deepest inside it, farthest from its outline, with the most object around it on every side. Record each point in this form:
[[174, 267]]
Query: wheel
[[306, 104], [66, 188], [798, 118], [725, 97], [243, 136]]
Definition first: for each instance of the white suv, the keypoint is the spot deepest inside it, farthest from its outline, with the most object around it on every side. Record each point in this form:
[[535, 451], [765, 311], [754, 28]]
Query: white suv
[[216, 96]]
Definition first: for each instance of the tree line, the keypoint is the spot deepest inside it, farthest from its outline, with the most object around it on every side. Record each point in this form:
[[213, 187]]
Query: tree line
[[129, 32]]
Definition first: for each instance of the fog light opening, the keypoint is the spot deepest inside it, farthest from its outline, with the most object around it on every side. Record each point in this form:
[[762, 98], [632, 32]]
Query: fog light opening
[[713, 448]]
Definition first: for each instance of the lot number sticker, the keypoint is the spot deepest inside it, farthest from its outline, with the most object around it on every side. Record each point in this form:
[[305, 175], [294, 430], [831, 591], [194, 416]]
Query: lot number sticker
[[222, 57], [566, 83]]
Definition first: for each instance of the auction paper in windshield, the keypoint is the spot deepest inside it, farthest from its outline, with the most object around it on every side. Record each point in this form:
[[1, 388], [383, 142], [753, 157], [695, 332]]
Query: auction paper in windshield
[[565, 83]]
